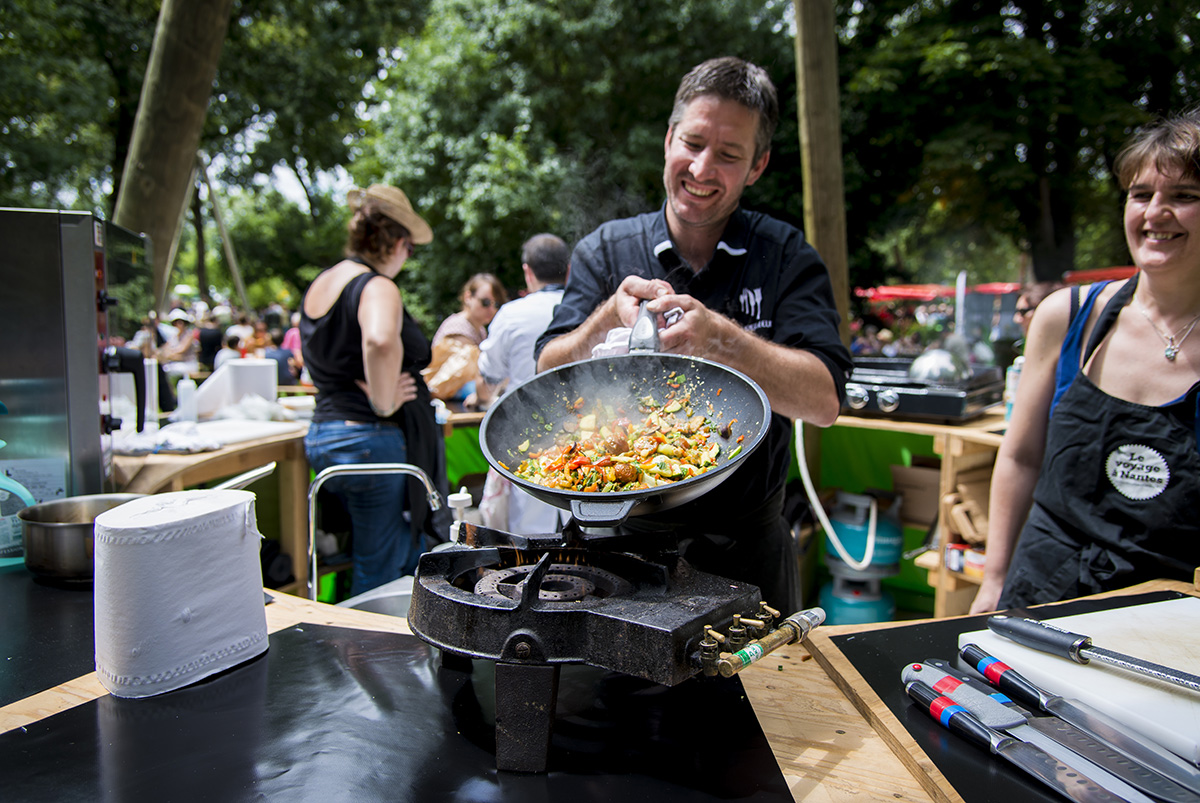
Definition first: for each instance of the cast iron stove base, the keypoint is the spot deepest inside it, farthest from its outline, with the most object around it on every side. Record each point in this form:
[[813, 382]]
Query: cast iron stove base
[[535, 606]]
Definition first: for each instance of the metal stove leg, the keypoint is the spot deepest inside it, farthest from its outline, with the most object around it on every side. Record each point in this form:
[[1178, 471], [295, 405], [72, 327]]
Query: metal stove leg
[[526, 697]]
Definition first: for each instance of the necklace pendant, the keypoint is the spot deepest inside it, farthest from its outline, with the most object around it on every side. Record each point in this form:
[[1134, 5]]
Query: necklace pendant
[[1170, 352]]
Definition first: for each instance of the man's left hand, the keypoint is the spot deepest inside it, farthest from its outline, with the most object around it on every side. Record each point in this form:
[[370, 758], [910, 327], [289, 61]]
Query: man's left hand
[[699, 332]]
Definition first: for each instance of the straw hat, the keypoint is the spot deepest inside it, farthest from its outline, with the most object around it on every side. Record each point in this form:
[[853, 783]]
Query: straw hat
[[393, 203]]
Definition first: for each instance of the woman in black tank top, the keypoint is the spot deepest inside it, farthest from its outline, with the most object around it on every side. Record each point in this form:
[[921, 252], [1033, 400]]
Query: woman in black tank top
[[364, 353]]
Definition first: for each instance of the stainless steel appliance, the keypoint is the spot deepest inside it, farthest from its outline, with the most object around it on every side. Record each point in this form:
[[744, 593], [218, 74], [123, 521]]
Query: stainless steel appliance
[[885, 387], [61, 271]]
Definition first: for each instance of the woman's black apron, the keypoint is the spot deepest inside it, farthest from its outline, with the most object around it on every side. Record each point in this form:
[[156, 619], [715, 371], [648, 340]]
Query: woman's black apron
[[1117, 501]]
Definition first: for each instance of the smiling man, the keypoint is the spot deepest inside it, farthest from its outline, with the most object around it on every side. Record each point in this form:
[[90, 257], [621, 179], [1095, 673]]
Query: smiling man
[[755, 297]]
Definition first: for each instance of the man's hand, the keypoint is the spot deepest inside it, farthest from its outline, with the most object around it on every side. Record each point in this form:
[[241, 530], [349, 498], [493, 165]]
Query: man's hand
[[697, 333], [633, 291], [619, 309]]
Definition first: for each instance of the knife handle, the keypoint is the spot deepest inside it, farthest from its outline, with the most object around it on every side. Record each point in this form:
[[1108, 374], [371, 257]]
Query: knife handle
[[1004, 677], [1041, 636], [969, 679], [949, 714], [988, 709]]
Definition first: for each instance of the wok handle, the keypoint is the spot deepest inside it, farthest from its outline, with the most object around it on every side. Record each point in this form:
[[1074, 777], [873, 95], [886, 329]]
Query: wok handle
[[644, 334], [601, 514]]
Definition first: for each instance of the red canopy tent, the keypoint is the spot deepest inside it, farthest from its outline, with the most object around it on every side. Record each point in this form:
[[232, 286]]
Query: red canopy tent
[[929, 292], [1098, 274]]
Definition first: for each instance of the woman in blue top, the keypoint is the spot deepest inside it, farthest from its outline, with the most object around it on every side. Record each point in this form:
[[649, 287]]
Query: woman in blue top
[[1099, 474]]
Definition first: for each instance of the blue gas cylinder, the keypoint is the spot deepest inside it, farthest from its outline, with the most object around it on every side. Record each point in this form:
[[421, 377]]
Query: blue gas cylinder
[[851, 521], [855, 601]]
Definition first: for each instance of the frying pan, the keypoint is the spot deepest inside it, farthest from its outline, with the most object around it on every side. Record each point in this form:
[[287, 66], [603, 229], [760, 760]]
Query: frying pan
[[536, 409]]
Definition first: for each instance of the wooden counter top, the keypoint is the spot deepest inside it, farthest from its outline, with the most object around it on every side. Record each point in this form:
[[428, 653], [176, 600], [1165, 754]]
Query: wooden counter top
[[986, 429], [156, 473]]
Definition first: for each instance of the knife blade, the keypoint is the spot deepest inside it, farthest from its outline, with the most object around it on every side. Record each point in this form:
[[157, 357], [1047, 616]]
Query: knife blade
[[1112, 770], [1096, 724], [1079, 648], [1047, 769]]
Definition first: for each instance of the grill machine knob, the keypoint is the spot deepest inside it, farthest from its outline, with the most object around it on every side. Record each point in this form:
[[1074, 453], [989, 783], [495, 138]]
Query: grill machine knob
[[888, 400], [856, 396]]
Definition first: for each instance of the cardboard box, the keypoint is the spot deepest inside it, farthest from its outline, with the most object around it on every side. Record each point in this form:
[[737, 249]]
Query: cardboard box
[[920, 487]]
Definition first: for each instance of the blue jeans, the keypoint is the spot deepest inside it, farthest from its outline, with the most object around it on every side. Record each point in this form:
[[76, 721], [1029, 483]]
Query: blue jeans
[[383, 546]]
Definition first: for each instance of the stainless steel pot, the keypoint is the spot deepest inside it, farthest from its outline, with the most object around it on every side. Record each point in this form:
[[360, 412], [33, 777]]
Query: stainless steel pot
[[58, 535]]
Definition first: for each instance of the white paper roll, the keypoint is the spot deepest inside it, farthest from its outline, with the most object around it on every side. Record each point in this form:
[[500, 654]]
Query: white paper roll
[[178, 590]]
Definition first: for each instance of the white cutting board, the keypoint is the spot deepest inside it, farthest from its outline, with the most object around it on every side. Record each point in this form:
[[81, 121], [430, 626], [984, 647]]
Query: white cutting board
[[1166, 633], [232, 430]]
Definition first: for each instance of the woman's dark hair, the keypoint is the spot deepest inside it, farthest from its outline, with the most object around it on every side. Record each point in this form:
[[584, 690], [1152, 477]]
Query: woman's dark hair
[[372, 234], [1170, 144]]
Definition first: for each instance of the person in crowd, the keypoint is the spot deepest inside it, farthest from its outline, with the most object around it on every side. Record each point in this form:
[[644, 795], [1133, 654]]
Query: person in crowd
[[258, 341], [1096, 481], [232, 350], [364, 352], [181, 354], [291, 344], [244, 329], [755, 297], [283, 361], [506, 359], [210, 338], [1028, 301], [153, 335], [453, 371]]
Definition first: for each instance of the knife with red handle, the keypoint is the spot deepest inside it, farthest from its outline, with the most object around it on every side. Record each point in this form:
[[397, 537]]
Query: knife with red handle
[[1025, 756], [1113, 770], [1096, 724]]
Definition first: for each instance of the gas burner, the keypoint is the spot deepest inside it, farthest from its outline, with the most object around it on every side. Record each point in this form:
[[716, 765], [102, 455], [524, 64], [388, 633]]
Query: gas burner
[[534, 602], [562, 583]]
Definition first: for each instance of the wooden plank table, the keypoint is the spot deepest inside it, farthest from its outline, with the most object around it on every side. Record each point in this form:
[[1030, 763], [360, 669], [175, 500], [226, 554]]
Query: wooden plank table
[[157, 473]]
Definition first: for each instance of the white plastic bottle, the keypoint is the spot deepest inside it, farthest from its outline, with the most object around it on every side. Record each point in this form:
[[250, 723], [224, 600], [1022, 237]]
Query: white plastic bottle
[[1012, 378], [186, 402]]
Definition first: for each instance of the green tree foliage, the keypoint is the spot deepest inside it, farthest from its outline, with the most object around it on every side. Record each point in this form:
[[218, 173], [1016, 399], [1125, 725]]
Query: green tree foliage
[[293, 82], [975, 126], [503, 119], [72, 76]]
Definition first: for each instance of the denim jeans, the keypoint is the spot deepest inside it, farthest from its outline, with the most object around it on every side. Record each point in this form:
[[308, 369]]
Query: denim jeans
[[383, 547]]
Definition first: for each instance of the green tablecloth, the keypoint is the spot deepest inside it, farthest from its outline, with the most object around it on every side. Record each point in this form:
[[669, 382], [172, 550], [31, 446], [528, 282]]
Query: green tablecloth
[[463, 455]]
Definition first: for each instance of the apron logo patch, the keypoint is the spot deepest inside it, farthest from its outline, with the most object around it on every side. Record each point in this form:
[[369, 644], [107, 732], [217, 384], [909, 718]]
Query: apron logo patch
[[1137, 471]]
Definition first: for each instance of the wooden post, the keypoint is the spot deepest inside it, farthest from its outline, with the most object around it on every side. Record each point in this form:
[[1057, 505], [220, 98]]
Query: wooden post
[[821, 144], [166, 134]]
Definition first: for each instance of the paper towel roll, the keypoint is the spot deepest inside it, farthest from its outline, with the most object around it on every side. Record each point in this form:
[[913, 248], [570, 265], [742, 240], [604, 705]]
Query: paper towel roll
[[178, 590]]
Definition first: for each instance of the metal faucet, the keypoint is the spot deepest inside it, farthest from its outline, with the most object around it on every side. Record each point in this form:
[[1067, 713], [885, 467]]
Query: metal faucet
[[435, 502]]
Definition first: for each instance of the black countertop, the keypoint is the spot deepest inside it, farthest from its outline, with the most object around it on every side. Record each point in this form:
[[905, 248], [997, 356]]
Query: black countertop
[[47, 636]]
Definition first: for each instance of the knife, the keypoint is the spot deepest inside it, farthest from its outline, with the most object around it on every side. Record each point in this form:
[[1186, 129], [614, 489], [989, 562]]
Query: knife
[[1096, 724], [1065, 644], [1112, 770], [1032, 760]]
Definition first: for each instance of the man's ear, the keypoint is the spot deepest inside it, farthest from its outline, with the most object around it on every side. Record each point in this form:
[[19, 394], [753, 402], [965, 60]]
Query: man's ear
[[757, 170], [667, 141]]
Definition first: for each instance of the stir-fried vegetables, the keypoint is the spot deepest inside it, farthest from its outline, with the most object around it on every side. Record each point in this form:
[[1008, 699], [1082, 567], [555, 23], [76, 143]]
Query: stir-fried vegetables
[[602, 450]]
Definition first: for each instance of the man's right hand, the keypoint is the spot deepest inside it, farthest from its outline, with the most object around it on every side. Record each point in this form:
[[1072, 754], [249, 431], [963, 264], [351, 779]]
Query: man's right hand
[[632, 292]]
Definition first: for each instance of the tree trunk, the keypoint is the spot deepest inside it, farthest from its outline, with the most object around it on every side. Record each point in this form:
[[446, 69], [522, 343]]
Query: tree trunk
[[166, 136], [819, 111]]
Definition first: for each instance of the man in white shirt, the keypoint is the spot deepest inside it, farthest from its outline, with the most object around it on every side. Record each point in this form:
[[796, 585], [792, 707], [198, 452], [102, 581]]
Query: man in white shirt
[[506, 359]]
